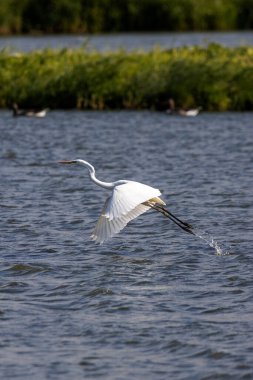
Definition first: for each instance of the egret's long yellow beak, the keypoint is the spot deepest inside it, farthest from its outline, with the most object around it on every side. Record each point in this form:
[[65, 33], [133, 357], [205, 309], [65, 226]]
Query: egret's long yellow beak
[[67, 162]]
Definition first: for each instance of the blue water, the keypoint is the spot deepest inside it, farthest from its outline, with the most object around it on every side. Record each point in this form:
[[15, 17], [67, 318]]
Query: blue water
[[128, 41], [154, 302]]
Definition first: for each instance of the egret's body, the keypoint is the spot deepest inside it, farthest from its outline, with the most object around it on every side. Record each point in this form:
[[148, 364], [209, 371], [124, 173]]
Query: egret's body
[[128, 200]]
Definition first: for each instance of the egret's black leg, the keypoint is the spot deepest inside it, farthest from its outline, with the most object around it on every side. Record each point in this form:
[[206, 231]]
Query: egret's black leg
[[184, 225]]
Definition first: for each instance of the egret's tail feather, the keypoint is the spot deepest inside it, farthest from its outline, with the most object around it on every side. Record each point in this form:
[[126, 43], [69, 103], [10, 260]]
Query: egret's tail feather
[[184, 225]]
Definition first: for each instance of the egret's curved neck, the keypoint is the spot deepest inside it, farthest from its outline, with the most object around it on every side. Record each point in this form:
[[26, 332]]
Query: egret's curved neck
[[105, 185]]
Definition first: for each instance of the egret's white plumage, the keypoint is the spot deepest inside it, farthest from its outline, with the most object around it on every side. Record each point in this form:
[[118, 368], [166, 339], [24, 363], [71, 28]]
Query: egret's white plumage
[[127, 197], [128, 200], [124, 204]]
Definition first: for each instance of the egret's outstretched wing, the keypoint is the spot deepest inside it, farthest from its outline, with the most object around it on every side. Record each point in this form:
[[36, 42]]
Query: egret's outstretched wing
[[125, 204], [127, 196], [106, 228]]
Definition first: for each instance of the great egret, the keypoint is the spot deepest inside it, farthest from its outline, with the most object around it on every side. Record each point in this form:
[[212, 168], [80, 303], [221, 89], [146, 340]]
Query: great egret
[[128, 200]]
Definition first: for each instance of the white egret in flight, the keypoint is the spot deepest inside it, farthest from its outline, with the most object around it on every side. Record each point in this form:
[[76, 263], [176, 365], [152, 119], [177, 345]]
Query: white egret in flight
[[128, 200]]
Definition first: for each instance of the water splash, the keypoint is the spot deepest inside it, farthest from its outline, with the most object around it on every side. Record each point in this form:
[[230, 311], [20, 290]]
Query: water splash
[[220, 248]]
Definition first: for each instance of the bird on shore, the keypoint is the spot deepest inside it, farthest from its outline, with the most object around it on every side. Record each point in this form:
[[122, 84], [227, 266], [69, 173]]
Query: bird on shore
[[127, 201], [172, 110], [29, 113]]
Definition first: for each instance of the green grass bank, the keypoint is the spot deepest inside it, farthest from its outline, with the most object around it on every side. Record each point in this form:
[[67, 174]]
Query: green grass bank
[[216, 78]]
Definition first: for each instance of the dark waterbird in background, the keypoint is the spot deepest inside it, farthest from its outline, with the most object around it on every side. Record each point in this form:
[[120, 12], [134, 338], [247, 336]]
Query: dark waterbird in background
[[128, 200], [29, 113], [173, 110]]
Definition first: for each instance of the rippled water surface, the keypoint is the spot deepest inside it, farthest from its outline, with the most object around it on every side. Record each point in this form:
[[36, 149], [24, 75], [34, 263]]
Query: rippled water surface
[[128, 41], [154, 302]]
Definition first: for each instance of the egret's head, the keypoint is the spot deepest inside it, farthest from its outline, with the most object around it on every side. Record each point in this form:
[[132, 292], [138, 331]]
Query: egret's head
[[81, 162], [68, 162]]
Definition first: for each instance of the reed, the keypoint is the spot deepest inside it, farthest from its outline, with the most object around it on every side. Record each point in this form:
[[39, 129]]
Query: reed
[[215, 77], [96, 16]]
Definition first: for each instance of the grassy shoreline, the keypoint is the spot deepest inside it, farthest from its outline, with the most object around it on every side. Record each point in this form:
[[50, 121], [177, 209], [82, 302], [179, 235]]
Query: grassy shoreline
[[216, 77]]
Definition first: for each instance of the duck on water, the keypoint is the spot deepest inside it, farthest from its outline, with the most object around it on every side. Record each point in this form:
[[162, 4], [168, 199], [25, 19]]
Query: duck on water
[[29, 113], [172, 110]]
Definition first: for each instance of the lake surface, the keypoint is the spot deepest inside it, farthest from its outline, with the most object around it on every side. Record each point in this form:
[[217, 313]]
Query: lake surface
[[152, 303], [128, 41]]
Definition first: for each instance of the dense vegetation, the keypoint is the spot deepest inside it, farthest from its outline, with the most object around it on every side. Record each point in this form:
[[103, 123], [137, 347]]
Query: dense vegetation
[[89, 16], [216, 78]]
